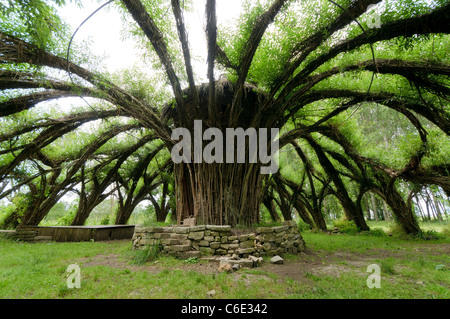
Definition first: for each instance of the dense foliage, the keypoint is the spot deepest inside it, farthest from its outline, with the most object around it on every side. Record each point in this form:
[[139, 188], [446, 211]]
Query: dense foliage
[[363, 110]]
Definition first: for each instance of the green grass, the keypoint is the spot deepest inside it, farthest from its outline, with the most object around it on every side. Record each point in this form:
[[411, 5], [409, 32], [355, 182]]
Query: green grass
[[410, 268]]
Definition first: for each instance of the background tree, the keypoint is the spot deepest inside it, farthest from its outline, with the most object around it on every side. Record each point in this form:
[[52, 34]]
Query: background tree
[[319, 71]]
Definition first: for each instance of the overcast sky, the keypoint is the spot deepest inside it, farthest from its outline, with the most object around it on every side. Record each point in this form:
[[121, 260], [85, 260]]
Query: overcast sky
[[104, 30]]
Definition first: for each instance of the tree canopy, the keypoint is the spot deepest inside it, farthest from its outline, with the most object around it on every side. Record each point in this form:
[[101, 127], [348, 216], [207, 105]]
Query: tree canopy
[[362, 108]]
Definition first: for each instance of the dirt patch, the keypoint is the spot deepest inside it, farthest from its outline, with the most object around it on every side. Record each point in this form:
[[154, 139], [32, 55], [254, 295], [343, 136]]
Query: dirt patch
[[299, 268], [109, 260]]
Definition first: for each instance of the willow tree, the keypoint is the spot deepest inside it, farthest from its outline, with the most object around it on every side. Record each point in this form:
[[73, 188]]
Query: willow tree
[[276, 60]]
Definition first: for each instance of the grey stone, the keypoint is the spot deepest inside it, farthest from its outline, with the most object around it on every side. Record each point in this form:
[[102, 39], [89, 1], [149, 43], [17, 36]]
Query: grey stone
[[242, 251], [148, 241], [290, 223], [218, 228], [160, 235], [247, 263], [177, 248], [189, 254], [179, 236], [262, 230], [197, 228], [247, 244], [196, 235], [189, 222], [243, 237], [181, 230], [207, 251], [269, 237], [214, 245], [203, 243], [170, 241], [236, 267], [278, 229], [276, 260], [280, 235], [257, 261], [151, 230], [221, 251]]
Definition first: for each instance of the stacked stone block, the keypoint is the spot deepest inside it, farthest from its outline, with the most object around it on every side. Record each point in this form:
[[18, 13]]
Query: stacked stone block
[[211, 240]]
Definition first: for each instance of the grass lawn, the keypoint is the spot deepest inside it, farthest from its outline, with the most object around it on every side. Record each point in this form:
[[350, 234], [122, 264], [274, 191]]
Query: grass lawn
[[333, 266]]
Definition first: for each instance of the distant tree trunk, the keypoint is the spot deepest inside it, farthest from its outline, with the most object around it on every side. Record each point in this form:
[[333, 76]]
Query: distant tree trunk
[[427, 206], [386, 213], [374, 206], [284, 207], [12, 221], [87, 204], [352, 211], [162, 208], [403, 214], [316, 214], [436, 207], [268, 203], [303, 213], [421, 212]]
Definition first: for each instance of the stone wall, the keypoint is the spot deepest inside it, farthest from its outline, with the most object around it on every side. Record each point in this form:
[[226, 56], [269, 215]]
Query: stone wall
[[210, 240]]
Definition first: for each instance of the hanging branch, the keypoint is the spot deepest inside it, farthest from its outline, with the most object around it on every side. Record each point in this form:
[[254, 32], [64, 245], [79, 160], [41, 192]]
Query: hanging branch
[[211, 33], [308, 45], [223, 59], [151, 30], [434, 22], [249, 52], [13, 50], [182, 34], [415, 72], [19, 104]]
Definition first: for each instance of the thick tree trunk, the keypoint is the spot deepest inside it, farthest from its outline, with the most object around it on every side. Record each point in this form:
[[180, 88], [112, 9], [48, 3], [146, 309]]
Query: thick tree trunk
[[402, 211], [352, 211], [220, 191], [218, 194], [303, 207], [124, 213], [86, 206], [268, 202]]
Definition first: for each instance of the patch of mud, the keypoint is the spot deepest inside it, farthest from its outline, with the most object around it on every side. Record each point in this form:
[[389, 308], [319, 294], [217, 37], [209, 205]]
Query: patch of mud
[[320, 263]]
